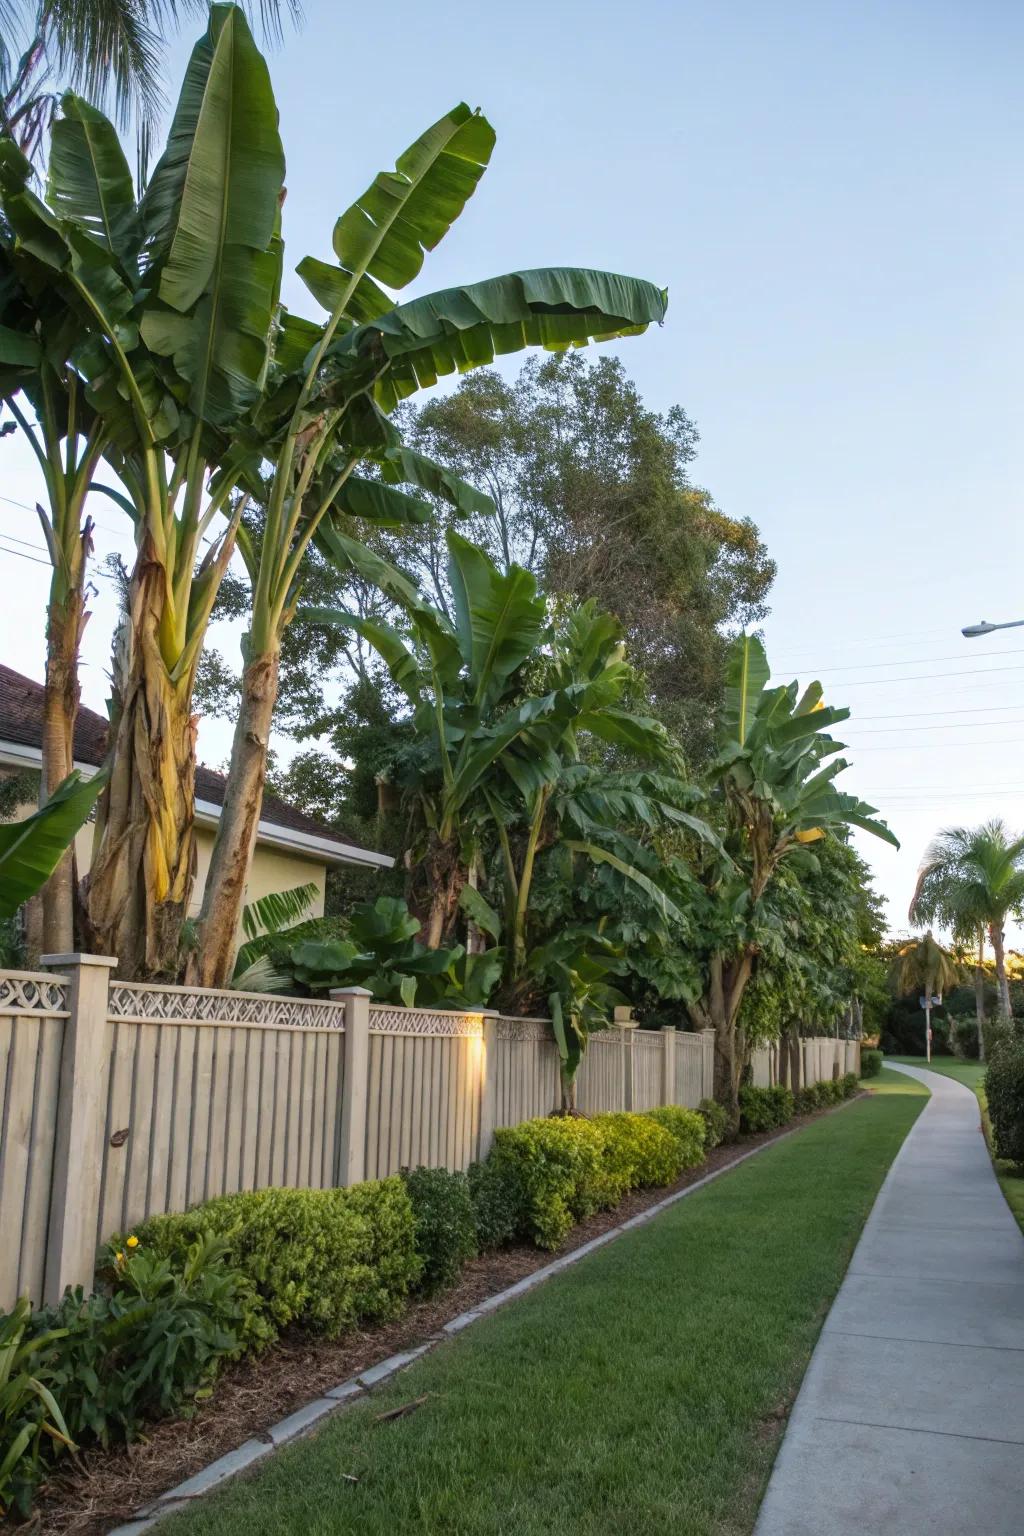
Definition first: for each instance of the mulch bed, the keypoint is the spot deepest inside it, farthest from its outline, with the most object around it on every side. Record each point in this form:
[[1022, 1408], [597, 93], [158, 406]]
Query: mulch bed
[[103, 1489]]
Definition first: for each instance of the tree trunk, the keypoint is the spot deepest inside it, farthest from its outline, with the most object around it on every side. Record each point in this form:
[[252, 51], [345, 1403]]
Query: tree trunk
[[435, 886], [979, 993], [568, 1094], [796, 1058], [139, 886], [784, 1059], [995, 935], [65, 621], [217, 937], [60, 707]]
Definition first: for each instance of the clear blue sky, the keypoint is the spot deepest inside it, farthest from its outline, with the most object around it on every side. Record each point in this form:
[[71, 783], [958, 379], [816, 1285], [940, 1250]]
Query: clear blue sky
[[832, 194]]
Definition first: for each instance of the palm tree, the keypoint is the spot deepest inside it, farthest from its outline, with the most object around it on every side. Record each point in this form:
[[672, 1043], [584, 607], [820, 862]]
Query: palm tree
[[971, 880], [923, 963], [111, 51]]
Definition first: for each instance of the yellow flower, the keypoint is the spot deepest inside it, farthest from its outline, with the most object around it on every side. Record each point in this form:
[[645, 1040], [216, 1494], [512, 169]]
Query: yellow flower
[[133, 1242], [119, 1256]]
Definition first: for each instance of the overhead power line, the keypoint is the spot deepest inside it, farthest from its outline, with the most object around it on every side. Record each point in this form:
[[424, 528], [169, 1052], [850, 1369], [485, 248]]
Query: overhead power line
[[912, 661]]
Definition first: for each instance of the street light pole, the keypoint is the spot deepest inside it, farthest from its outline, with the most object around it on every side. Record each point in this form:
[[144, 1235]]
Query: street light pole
[[985, 628]]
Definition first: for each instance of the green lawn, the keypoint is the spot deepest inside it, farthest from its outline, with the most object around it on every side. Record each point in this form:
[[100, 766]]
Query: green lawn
[[972, 1074], [641, 1391]]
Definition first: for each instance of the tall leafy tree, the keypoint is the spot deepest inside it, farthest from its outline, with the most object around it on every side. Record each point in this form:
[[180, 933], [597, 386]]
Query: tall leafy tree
[[774, 776], [591, 492], [971, 881], [328, 413]]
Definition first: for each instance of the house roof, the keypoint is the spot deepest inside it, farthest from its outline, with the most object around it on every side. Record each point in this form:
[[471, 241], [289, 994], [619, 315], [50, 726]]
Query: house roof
[[21, 726]]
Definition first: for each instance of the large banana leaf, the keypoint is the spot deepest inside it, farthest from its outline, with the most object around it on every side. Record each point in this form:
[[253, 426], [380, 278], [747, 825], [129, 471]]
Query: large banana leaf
[[90, 181], [499, 616], [462, 328], [30, 850], [746, 675], [404, 213], [211, 211]]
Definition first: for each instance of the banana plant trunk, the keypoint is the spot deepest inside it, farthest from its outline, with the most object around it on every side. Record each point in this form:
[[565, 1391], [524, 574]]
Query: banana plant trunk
[[61, 694], [436, 884], [213, 961], [138, 889]]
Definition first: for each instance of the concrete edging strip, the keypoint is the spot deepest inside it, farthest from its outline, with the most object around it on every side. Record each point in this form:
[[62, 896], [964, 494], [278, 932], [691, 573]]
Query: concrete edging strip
[[308, 1417]]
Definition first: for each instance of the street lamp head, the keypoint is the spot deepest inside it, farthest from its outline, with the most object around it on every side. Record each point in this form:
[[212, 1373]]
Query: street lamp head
[[984, 628]]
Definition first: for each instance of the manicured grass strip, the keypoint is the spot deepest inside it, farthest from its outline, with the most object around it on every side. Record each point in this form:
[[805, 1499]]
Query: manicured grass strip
[[639, 1391], [972, 1075]]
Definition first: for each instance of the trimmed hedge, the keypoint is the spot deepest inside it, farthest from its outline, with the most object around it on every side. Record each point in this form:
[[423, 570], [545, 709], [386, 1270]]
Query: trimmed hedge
[[716, 1122], [689, 1130], [1004, 1090], [563, 1169], [870, 1063], [444, 1224], [765, 1109], [325, 1258]]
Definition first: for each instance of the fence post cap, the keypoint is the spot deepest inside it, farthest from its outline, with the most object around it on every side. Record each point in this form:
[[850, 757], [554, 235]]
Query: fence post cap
[[350, 992], [486, 1013], [670, 1027], [75, 957]]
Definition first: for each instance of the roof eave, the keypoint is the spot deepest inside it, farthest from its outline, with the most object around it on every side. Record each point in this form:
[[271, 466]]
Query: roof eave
[[326, 850]]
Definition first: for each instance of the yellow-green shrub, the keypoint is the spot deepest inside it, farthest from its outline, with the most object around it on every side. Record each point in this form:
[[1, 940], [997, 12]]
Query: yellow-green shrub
[[555, 1167], [325, 1258], [688, 1129], [638, 1153], [561, 1170]]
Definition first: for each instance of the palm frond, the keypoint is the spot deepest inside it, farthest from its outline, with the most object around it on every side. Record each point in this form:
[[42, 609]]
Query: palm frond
[[278, 909]]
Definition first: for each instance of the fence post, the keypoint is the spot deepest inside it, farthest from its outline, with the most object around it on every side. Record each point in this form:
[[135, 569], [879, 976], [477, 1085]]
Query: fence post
[[668, 1042], [489, 1082], [81, 1122], [623, 1021], [355, 1084], [707, 1076]]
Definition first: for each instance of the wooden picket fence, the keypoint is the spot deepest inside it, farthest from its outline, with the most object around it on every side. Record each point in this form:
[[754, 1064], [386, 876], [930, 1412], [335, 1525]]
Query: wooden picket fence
[[120, 1100]]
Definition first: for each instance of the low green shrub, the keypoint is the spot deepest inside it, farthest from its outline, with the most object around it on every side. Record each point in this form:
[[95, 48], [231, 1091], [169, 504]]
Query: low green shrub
[[556, 1164], [324, 1258], [497, 1198], [806, 1100], [560, 1170], [688, 1129], [830, 1091], [765, 1109], [849, 1083], [716, 1122], [1004, 1090], [965, 1039], [870, 1063], [444, 1224], [637, 1153]]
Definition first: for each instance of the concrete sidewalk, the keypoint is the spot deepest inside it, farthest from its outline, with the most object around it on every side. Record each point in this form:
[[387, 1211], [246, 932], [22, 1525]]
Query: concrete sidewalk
[[910, 1420]]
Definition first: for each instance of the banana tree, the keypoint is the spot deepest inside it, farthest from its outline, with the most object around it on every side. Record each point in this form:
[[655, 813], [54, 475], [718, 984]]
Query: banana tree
[[47, 400], [169, 306], [776, 785], [338, 380]]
